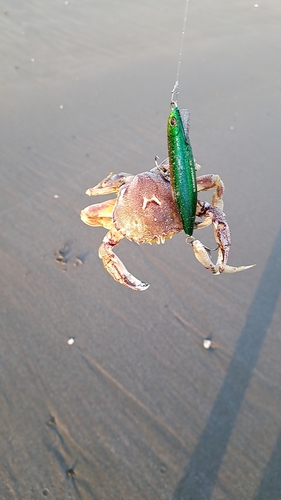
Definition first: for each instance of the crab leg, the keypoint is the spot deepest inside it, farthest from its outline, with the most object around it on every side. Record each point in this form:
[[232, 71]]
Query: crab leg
[[204, 183], [212, 181], [114, 266], [222, 237]]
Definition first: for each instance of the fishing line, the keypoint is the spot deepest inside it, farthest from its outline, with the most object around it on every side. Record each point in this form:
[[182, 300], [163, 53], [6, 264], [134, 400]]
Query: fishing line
[[176, 86]]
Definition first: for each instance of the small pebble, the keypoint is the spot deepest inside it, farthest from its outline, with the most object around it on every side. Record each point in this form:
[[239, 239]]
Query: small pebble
[[61, 106], [256, 5], [70, 341], [56, 196], [207, 343], [32, 59]]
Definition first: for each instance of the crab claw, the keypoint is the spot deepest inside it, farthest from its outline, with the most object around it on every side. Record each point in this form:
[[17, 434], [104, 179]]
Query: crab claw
[[231, 269], [110, 184], [202, 254], [115, 266], [223, 239]]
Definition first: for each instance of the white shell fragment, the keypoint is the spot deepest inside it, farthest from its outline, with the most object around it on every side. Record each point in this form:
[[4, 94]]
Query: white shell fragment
[[70, 341], [207, 343]]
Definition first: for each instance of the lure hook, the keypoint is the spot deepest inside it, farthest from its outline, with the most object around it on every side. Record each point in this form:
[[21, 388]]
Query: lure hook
[[190, 240], [174, 93]]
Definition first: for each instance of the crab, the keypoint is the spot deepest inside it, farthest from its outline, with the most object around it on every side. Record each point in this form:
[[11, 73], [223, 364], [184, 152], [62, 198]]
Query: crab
[[144, 211]]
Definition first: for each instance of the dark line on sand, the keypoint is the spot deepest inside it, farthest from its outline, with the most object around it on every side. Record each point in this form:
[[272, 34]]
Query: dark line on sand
[[200, 476]]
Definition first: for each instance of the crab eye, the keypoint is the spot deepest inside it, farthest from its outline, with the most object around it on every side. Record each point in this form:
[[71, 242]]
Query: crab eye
[[173, 121]]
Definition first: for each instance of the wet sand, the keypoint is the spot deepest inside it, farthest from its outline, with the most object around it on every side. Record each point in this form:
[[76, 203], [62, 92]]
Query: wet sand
[[135, 408]]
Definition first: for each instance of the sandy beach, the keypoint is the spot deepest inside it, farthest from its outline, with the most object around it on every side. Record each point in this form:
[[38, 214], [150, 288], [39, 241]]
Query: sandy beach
[[109, 394]]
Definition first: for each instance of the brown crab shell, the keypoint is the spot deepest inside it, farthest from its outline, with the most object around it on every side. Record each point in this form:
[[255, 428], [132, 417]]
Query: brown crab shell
[[145, 211]]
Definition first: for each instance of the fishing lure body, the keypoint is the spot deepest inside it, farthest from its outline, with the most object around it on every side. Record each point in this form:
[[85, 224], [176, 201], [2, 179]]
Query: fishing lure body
[[182, 166]]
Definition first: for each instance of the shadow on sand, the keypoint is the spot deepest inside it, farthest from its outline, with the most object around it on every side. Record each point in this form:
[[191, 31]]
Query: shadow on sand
[[201, 473], [270, 486]]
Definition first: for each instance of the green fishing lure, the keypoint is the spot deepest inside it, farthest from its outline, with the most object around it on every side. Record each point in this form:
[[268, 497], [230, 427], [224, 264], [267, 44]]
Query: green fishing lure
[[182, 167]]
